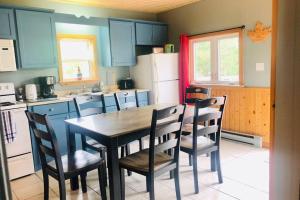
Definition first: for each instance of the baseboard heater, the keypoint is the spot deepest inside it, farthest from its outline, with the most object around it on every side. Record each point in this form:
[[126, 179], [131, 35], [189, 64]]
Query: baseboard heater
[[242, 137]]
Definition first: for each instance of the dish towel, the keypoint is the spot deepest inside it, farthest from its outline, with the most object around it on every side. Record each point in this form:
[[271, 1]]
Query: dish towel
[[8, 126]]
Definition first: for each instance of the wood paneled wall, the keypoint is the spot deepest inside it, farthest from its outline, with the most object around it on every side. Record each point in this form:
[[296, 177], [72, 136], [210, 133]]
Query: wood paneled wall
[[247, 110]]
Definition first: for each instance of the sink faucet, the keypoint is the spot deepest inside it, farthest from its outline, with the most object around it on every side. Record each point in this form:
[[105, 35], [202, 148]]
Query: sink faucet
[[83, 89]]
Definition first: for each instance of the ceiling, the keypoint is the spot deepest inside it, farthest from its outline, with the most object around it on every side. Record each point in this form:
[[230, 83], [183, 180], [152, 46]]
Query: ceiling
[[150, 6]]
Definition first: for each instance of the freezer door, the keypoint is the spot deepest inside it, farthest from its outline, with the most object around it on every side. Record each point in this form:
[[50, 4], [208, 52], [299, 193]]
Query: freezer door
[[165, 67], [165, 92]]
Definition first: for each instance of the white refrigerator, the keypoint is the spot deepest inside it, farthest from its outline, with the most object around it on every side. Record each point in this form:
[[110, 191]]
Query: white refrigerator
[[159, 74]]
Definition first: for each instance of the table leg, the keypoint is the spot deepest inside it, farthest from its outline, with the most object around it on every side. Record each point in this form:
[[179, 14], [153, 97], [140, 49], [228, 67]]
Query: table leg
[[113, 171], [71, 142]]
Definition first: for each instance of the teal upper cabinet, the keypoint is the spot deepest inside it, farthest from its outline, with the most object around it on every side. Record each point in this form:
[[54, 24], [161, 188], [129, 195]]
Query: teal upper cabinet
[[122, 42], [36, 39], [143, 34], [151, 34], [160, 34], [7, 24]]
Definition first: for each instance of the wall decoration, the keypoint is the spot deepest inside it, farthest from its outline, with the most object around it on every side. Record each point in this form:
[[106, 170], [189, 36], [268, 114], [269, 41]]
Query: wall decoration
[[260, 32]]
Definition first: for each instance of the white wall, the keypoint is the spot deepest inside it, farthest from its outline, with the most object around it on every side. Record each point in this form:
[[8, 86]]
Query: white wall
[[213, 15], [286, 163]]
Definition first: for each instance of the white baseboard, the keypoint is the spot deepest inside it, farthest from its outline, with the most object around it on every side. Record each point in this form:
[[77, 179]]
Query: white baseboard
[[242, 137]]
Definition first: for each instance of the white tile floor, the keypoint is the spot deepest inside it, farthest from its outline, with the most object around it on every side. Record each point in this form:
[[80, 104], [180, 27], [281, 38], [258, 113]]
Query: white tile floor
[[245, 173]]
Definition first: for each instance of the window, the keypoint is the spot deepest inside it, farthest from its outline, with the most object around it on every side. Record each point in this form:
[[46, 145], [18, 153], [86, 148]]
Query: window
[[77, 58], [216, 58]]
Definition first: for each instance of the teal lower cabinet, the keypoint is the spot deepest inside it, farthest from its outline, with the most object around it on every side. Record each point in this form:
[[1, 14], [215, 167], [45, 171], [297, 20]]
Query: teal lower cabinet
[[110, 109]]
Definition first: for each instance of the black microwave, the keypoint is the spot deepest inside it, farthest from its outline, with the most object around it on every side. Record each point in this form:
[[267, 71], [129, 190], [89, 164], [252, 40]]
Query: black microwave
[[125, 84]]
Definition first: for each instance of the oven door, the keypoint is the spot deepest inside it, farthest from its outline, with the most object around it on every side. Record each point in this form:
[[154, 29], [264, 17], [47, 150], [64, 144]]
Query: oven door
[[22, 143]]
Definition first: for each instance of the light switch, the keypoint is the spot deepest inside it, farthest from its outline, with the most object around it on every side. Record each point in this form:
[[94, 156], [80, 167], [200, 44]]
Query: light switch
[[260, 67]]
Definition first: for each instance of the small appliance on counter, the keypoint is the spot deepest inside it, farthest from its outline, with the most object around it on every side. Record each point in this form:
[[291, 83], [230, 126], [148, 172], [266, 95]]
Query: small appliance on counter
[[47, 86], [126, 84], [31, 92], [169, 48], [158, 50], [20, 95]]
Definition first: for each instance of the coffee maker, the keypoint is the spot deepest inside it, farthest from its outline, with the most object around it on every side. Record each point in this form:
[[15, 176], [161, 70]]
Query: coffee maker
[[47, 86]]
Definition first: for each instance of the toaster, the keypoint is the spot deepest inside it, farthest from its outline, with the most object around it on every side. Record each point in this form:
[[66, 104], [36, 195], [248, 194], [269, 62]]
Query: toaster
[[125, 84]]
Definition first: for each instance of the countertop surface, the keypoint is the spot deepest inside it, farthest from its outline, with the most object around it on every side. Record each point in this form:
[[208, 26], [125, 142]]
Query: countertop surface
[[70, 98]]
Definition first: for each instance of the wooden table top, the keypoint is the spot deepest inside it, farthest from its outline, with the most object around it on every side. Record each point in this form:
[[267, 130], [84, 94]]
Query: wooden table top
[[123, 122]]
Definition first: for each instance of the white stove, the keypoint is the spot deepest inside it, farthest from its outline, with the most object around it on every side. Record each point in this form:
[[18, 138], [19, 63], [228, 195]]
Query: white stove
[[19, 152]]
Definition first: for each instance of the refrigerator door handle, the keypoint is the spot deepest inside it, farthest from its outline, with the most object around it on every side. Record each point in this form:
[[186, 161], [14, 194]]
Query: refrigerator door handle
[[157, 93], [155, 71]]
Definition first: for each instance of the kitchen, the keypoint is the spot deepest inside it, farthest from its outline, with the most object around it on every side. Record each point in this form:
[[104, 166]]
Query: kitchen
[[54, 52]]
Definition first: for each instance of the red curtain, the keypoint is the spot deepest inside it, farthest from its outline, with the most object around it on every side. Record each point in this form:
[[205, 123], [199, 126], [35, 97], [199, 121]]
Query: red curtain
[[184, 81]]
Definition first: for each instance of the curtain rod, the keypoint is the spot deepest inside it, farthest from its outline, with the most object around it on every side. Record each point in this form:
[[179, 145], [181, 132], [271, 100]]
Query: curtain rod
[[241, 27]]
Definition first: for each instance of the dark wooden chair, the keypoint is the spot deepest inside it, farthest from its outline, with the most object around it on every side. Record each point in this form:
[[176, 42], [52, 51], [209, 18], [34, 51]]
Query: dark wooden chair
[[197, 143], [191, 96], [126, 100], [190, 93], [91, 105], [158, 158], [62, 167]]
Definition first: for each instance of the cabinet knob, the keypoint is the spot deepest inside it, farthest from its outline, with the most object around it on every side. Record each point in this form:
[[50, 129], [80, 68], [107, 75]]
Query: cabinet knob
[[51, 109]]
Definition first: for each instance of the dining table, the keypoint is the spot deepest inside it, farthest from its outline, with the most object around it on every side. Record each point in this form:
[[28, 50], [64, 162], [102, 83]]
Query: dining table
[[114, 130]]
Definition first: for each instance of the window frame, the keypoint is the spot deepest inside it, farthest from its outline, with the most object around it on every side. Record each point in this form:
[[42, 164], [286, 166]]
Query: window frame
[[214, 56], [95, 69]]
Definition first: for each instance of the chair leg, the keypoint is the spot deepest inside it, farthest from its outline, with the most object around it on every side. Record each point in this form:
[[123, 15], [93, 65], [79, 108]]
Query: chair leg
[[62, 189], [122, 180], [190, 160], [159, 140], [122, 151], [83, 142], [213, 161], [102, 182], [127, 148], [148, 183], [177, 183], [83, 182], [151, 187], [141, 144], [103, 155], [46, 186], [218, 161], [195, 171], [172, 174]]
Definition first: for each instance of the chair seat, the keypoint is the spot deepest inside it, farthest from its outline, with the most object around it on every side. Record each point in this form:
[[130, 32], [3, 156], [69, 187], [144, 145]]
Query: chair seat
[[139, 161], [202, 142], [79, 161], [187, 129], [95, 144]]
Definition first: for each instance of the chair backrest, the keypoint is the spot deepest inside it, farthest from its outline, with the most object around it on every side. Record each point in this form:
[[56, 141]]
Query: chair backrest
[[126, 99], [191, 92], [165, 122], [210, 113], [89, 105], [45, 139]]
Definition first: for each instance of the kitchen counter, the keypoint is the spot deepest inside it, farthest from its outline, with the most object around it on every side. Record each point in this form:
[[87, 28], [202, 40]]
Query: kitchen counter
[[70, 98]]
